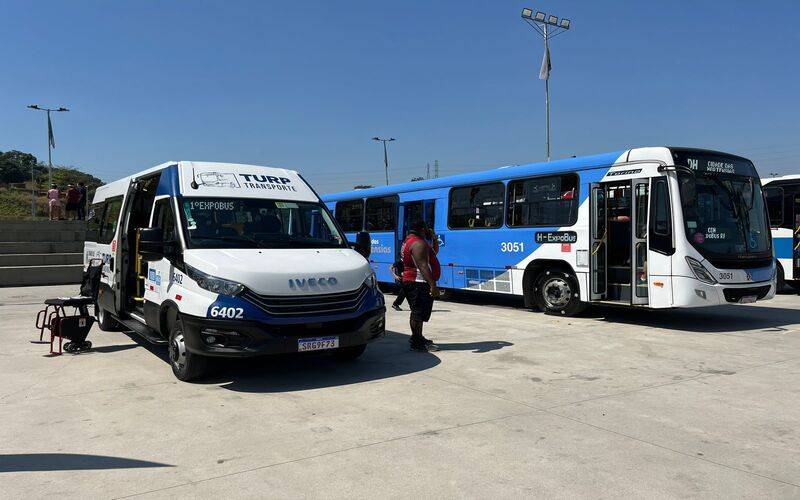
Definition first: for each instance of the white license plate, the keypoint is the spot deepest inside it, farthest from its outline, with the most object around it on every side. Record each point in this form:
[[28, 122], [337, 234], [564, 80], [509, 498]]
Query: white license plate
[[317, 343], [747, 299]]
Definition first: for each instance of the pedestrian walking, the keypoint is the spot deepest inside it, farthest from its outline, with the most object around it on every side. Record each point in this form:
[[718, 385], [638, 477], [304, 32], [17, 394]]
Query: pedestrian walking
[[73, 195], [54, 202], [82, 201], [421, 271]]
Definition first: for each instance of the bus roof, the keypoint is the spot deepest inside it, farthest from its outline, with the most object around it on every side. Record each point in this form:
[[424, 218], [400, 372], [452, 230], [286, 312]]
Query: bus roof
[[791, 177]]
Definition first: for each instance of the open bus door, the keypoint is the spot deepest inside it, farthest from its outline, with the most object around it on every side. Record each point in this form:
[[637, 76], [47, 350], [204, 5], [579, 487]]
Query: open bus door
[[598, 247], [639, 279], [796, 238]]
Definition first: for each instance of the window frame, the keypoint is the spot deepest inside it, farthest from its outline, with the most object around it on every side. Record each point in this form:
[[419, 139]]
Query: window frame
[[363, 214], [502, 209], [662, 243], [100, 208], [576, 199], [396, 202], [106, 203], [778, 224]]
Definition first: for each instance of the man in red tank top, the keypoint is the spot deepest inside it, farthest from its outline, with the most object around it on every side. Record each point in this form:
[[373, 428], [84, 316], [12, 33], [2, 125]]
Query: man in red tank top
[[421, 270]]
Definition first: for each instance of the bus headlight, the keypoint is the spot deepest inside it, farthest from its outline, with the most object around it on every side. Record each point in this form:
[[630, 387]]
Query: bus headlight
[[700, 272], [214, 284]]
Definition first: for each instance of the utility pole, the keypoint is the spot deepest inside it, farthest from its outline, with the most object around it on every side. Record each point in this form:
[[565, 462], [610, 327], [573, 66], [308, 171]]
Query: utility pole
[[51, 140], [428, 171], [548, 26], [385, 155], [436, 169]]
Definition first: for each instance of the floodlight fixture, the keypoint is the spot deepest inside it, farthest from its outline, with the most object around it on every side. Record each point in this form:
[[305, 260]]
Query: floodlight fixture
[[564, 24], [527, 13], [552, 20], [539, 16]]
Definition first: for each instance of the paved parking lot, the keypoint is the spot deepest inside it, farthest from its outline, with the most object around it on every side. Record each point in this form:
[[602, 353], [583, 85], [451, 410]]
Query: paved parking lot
[[693, 403]]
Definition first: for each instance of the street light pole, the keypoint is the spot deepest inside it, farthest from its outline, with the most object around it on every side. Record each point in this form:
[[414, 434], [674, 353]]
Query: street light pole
[[51, 141], [548, 26], [385, 155]]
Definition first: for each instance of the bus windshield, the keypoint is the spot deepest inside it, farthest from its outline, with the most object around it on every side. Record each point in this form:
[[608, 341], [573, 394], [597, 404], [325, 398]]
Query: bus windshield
[[724, 214], [257, 223]]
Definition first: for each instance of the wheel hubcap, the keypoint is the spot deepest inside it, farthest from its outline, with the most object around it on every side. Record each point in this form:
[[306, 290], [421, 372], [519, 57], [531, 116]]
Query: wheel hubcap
[[177, 351], [556, 292]]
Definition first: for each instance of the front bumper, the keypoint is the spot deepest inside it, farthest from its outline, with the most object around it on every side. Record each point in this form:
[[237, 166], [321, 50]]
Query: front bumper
[[695, 293], [249, 338]]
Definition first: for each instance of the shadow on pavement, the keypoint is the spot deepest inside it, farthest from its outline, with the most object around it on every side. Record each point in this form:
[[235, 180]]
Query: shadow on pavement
[[40, 462], [715, 319]]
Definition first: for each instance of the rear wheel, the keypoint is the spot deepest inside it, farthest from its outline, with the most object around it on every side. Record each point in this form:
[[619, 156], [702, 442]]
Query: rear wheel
[[185, 365], [350, 353], [781, 282], [556, 292], [105, 321]]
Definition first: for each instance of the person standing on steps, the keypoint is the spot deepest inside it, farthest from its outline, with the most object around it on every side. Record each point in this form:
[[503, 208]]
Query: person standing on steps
[[54, 202], [82, 201], [421, 271]]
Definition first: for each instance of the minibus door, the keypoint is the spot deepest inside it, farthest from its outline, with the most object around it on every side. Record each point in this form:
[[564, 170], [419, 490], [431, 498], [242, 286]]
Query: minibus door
[[639, 259], [123, 250], [796, 238], [598, 246]]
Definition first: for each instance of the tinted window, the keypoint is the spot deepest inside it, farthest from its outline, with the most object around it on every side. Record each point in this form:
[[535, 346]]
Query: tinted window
[[110, 220], [381, 214], [543, 201], [774, 205], [164, 217], [350, 214], [474, 207], [660, 218], [93, 222]]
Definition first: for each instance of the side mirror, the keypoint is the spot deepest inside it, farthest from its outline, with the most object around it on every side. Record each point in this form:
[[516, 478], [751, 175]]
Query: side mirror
[[363, 244], [151, 243]]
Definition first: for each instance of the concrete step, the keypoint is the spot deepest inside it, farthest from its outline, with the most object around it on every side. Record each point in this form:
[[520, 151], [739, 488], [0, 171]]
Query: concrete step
[[40, 259], [14, 247], [40, 275], [42, 235]]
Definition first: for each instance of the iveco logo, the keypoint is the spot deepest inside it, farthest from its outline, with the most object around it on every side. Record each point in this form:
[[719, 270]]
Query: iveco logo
[[748, 275], [296, 283]]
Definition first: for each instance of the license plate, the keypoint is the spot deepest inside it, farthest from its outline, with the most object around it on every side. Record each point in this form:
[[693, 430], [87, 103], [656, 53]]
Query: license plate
[[317, 343], [747, 299]]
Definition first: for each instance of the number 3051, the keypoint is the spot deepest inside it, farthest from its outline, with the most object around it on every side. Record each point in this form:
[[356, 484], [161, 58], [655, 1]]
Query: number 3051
[[512, 246]]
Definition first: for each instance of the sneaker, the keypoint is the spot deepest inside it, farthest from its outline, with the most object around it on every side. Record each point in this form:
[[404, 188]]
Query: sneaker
[[426, 347], [396, 307]]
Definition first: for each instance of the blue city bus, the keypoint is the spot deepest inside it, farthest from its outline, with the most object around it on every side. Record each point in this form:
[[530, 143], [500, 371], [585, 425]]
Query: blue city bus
[[650, 227], [783, 202]]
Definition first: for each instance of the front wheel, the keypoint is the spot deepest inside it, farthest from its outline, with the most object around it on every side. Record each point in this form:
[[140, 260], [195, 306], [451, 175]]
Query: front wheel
[[185, 365], [556, 292]]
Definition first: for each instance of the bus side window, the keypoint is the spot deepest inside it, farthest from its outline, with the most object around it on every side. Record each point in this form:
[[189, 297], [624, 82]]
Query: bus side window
[[110, 220], [165, 219], [774, 205], [660, 218], [350, 215], [93, 222]]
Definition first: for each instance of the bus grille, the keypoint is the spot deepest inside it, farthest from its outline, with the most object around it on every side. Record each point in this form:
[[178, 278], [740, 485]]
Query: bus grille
[[736, 294], [308, 305]]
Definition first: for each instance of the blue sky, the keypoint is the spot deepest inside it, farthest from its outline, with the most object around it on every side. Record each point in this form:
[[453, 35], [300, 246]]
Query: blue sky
[[305, 85]]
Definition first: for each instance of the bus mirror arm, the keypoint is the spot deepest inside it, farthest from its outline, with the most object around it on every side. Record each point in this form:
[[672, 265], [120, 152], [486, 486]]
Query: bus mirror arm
[[363, 244], [151, 244]]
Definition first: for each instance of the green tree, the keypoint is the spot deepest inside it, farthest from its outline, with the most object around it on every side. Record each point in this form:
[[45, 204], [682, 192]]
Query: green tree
[[15, 166]]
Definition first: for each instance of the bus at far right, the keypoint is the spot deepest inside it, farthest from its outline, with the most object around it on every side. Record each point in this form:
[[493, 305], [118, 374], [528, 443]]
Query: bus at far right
[[783, 203]]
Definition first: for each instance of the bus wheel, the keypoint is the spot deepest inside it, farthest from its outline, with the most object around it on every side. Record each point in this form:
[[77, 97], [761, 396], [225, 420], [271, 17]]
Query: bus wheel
[[556, 292], [104, 320], [780, 285], [185, 365]]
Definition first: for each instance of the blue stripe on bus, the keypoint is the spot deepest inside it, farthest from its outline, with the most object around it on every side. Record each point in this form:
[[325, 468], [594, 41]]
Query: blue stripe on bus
[[783, 247], [168, 184]]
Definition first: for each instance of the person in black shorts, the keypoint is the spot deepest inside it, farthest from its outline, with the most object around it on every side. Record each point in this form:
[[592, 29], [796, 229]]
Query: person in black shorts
[[419, 261], [397, 270]]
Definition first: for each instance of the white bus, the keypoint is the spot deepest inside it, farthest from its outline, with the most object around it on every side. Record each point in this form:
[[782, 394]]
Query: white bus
[[654, 227], [783, 202], [220, 259]]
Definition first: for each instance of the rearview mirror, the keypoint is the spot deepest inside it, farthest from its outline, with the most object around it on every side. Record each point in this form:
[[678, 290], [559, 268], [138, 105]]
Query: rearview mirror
[[363, 244], [151, 243]]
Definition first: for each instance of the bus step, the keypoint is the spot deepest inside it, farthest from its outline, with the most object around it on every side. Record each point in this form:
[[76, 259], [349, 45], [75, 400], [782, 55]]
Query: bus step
[[144, 331]]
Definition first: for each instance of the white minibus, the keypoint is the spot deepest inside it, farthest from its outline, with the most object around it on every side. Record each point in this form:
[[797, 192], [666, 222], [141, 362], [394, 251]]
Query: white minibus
[[230, 260]]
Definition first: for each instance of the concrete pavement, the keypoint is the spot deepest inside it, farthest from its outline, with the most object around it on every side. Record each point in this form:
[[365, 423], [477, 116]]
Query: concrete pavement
[[690, 403]]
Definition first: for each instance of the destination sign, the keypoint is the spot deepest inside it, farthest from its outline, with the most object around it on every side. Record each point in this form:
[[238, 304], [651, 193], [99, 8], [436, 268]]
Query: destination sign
[[556, 237], [713, 163]]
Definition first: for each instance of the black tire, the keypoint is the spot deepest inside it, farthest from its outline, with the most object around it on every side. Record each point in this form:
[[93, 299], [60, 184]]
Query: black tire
[[105, 321], [556, 292], [350, 353], [185, 365], [780, 285]]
